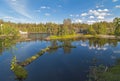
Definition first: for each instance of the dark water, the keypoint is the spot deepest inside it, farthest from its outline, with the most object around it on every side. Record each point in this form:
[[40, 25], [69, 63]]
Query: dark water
[[37, 35], [62, 64]]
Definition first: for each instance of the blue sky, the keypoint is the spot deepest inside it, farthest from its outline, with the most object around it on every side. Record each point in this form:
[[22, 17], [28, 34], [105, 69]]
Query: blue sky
[[35, 11]]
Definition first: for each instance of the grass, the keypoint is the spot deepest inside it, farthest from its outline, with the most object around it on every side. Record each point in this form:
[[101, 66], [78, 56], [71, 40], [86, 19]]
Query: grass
[[53, 37], [71, 36], [31, 59], [64, 36], [18, 70]]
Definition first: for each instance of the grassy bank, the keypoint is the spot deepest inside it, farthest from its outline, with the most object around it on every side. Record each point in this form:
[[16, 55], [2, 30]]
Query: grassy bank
[[63, 36], [9, 36], [54, 37]]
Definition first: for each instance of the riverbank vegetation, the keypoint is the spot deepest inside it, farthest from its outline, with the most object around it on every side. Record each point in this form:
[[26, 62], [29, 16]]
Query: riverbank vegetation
[[105, 73], [65, 30], [18, 70], [6, 30]]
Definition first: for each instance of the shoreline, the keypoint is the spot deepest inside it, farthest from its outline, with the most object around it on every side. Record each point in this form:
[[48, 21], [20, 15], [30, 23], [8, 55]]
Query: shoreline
[[76, 36], [82, 36]]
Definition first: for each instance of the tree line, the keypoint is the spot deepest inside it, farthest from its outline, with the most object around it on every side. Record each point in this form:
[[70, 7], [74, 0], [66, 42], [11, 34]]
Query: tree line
[[67, 28]]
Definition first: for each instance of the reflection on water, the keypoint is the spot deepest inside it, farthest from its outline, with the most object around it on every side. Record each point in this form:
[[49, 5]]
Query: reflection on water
[[105, 73], [65, 44], [18, 67], [34, 36], [60, 60], [102, 42], [6, 44], [37, 35]]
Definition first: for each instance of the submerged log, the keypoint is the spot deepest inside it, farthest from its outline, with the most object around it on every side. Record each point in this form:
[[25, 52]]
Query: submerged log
[[31, 59]]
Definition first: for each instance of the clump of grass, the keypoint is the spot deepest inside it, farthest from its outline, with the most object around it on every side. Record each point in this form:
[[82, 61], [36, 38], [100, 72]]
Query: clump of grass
[[18, 70], [31, 59]]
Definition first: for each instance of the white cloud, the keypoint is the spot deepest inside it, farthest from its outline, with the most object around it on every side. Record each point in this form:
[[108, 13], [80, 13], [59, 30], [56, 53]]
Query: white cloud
[[45, 7], [71, 15], [8, 17], [101, 17], [91, 22], [17, 20], [19, 6], [99, 10], [95, 15], [13, 0], [99, 14], [47, 14], [91, 17], [106, 10], [114, 0], [99, 6], [84, 14], [117, 6], [94, 12], [109, 19], [77, 21], [74, 15]]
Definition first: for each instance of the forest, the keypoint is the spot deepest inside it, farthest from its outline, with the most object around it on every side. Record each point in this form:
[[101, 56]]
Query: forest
[[67, 28]]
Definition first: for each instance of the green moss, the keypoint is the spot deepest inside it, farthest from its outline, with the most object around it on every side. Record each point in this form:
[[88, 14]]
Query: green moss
[[18, 70]]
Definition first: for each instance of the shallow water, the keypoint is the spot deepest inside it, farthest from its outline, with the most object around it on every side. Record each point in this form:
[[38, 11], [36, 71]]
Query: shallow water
[[62, 64]]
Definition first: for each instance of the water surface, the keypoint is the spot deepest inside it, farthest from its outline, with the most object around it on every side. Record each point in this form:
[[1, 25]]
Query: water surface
[[62, 64]]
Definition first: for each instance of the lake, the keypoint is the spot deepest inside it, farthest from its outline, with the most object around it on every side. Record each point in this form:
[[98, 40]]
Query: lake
[[60, 64]]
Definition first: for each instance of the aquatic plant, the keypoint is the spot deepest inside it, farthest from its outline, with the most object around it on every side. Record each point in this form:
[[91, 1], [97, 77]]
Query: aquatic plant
[[31, 59], [18, 70], [103, 73]]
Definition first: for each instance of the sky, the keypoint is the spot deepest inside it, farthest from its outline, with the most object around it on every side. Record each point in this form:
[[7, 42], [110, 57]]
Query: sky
[[42, 11]]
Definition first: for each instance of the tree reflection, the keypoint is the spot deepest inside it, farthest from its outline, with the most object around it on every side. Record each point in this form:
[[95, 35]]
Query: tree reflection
[[54, 46], [96, 73], [1, 46], [101, 42], [67, 46], [18, 67], [104, 73], [7, 43]]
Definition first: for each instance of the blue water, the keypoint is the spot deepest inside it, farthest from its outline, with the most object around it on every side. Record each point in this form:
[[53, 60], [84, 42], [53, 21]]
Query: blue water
[[63, 64]]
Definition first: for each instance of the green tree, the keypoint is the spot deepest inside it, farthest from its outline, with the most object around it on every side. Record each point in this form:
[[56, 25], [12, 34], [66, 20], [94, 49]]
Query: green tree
[[91, 30], [116, 22], [8, 30], [102, 28], [67, 21]]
